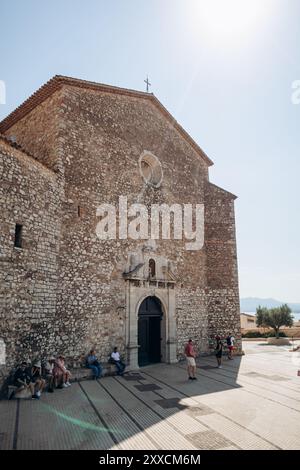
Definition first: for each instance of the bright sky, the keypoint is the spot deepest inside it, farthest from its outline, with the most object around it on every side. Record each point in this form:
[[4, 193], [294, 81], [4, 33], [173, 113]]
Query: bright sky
[[225, 74]]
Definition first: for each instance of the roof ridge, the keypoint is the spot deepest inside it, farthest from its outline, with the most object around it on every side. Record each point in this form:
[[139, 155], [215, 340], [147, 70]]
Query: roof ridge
[[80, 81], [58, 81]]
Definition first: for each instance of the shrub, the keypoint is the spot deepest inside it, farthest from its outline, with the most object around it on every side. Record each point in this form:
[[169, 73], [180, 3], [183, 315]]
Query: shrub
[[272, 334], [252, 334], [257, 334]]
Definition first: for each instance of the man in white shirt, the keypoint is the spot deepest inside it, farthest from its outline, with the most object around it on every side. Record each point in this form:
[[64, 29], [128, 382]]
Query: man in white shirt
[[115, 355]]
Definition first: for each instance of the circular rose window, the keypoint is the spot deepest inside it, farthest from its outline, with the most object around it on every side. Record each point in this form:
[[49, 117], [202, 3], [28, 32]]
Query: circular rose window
[[150, 169]]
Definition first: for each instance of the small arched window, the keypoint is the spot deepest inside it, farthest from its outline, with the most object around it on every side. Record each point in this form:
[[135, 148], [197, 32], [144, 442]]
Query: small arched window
[[152, 268]]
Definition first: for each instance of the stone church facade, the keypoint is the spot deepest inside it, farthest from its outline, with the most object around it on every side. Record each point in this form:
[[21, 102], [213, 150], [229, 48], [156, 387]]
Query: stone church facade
[[70, 147]]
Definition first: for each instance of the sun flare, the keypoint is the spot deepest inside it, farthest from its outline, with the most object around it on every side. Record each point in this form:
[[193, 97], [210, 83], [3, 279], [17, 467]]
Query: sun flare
[[229, 19]]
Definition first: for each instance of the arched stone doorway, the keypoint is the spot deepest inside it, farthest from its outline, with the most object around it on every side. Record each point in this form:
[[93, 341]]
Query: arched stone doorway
[[150, 318], [149, 276]]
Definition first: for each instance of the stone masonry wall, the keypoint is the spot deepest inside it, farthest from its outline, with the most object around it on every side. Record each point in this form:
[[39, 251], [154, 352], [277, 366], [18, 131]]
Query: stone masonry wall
[[192, 319], [222, 270], [104, 136], [38, 132], [30, 196], [66, 285]]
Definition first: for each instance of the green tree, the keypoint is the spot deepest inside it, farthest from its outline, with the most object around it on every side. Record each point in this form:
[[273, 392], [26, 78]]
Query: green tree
[[261, 315], [274, 317]]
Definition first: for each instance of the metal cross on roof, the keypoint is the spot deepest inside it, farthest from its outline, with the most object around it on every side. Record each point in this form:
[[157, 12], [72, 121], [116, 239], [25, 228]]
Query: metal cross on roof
[[147, 83]]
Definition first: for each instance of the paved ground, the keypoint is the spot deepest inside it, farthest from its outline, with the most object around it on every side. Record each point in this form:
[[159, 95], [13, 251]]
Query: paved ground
[[253, 402]]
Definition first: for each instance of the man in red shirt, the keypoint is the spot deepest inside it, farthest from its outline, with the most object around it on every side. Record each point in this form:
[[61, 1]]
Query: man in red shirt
[[190, 357]]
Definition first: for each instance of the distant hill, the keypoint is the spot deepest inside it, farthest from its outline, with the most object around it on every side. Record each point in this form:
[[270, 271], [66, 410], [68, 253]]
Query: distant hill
[[250, 304]]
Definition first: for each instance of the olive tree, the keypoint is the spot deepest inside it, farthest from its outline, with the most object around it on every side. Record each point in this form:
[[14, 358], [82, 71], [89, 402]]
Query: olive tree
[[274, 317]]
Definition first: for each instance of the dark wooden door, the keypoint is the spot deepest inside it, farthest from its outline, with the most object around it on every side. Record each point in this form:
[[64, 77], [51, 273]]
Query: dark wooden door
[[149, 331], [143, 341]]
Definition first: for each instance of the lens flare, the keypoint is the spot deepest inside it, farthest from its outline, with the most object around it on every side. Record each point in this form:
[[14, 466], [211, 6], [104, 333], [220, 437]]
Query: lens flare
[[230, 19]]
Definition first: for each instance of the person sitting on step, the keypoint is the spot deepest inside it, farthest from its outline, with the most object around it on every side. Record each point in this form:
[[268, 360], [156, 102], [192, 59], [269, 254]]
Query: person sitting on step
[[116, 359], [36, 378], [93, 363], [48, 373], [22, 380], [61, 373]]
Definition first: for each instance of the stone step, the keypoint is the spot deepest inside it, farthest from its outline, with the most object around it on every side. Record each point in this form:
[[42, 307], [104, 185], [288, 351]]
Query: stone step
[[78, 374], [82, 373], [22, 394]]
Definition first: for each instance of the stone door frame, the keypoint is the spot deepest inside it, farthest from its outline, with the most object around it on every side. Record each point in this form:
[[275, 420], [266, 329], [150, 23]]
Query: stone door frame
[[137, 290]]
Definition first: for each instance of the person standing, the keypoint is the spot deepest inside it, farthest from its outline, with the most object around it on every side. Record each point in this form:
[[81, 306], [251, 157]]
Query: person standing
[[230, 345], [190, 358], [219, 351]]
